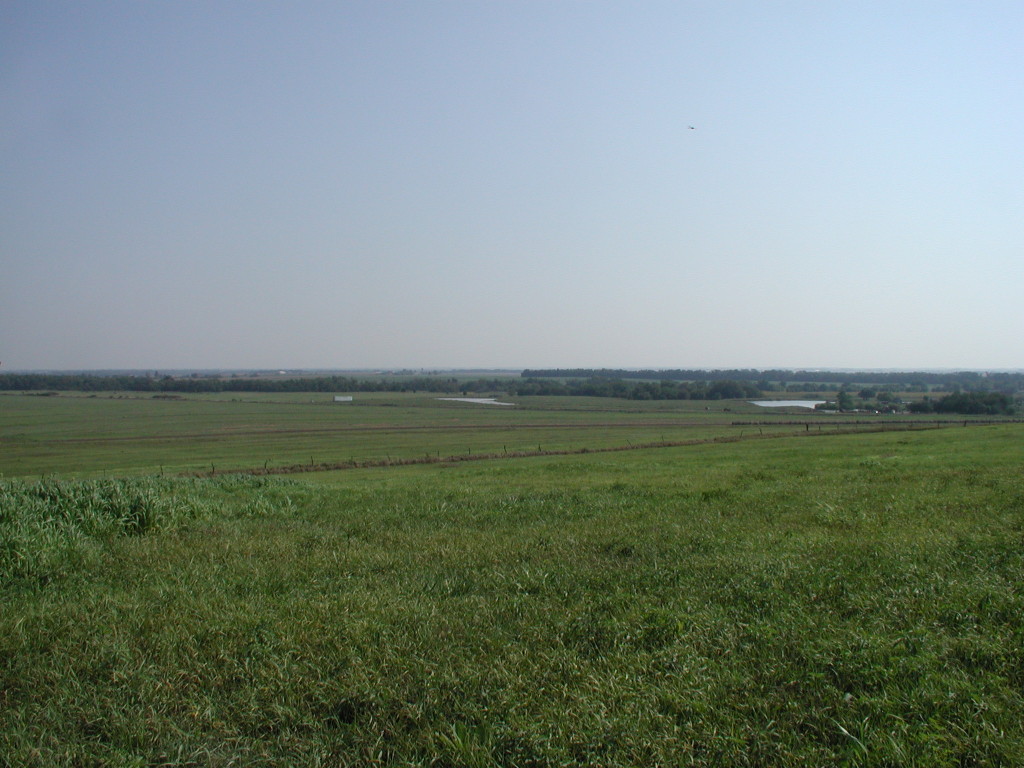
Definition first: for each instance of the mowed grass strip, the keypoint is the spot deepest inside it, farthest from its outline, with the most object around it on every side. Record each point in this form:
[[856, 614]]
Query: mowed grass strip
[[850, 600]]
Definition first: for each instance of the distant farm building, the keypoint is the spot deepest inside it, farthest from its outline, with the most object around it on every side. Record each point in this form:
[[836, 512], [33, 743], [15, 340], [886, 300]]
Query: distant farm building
[[343, 398]]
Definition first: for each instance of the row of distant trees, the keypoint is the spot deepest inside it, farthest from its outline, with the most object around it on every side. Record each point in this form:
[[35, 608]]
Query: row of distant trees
[[636, 390], [595, 387], [195, 384], [974, 403], [965, 402], [778, 380]]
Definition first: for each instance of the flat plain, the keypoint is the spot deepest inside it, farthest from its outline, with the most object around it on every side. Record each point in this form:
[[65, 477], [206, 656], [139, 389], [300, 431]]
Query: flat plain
[[775, 589], [120, 434]]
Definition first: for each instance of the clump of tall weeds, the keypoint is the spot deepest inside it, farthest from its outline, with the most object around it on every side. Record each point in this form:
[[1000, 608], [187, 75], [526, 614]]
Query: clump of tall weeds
[[49, 527]]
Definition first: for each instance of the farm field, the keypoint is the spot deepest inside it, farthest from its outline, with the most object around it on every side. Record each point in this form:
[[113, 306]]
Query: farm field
[[124, 434], [818, 598]]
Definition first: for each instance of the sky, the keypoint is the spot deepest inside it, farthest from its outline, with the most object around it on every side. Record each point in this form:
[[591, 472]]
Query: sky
[[456, 184]]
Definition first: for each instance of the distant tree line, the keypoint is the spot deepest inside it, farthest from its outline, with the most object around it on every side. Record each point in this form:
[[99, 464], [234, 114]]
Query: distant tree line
[[782, 380], [195, 384], [635, 390], [594, 387], [970, 403], [962, 401]]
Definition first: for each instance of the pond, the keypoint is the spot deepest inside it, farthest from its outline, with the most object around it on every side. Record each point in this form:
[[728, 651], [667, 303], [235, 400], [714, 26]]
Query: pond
[[787, 403], [479, 400]]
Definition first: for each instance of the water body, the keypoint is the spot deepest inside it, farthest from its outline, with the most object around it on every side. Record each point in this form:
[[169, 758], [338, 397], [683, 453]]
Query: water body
[[478, 400], [787, 403]]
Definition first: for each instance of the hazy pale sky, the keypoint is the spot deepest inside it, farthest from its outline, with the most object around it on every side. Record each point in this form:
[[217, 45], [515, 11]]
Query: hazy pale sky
[[510, 184]]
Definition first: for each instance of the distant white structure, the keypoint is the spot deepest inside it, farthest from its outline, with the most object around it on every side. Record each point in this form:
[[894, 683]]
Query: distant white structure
[[343, 398]]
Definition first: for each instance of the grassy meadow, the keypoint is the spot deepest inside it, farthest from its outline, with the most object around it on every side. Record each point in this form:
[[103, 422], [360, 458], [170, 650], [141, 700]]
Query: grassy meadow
[[129, 434], [815, 597]]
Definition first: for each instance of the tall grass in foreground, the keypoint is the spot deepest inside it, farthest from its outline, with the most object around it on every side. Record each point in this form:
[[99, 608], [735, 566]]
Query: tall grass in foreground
[[851, 600], [53, 527]]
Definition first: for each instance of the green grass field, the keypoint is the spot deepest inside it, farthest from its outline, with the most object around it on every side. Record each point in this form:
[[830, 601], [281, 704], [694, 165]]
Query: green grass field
[[815, 599], [121, 434]]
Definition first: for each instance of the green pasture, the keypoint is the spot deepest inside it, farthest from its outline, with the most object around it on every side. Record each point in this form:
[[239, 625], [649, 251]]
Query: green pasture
[[128, 434], [769, 594], [815, 598]]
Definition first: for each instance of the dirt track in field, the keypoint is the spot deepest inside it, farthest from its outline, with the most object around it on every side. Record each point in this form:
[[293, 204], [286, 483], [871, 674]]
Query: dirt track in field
[[458, 459], [230, 432]]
